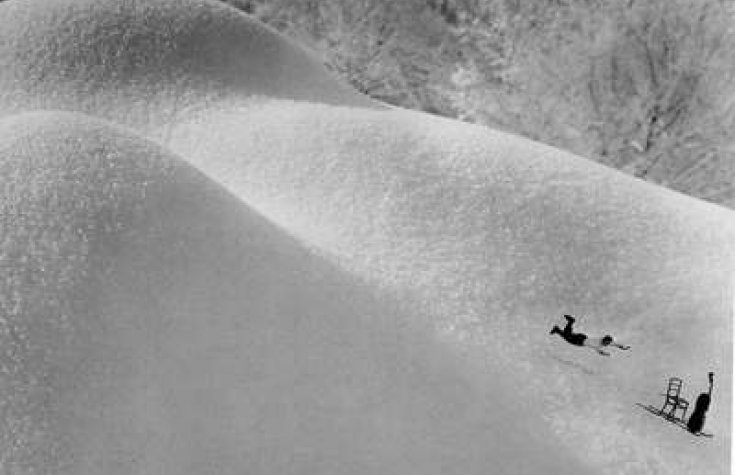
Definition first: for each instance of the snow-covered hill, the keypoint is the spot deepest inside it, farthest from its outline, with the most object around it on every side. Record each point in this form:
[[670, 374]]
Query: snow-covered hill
[[223, 261]]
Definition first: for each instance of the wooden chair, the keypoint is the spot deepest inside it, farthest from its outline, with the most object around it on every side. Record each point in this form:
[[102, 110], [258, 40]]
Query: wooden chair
[[674, 400]]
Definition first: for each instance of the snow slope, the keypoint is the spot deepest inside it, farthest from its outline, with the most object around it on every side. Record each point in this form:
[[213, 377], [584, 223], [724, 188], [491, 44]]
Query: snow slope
[[339, 286], [158, 325], [496, 250]]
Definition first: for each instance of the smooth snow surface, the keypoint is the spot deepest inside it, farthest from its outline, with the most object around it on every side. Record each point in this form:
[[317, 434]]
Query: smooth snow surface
[[220, 260]]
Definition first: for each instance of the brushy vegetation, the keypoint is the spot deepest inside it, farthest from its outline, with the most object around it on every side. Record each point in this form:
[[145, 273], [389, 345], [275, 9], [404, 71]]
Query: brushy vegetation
[[645, 86]]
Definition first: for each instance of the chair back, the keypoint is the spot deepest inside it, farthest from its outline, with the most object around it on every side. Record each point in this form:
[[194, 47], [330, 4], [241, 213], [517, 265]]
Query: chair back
[[674, 387]]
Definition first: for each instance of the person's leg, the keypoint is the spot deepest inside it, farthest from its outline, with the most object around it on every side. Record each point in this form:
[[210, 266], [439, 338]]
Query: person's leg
[[568, 328]]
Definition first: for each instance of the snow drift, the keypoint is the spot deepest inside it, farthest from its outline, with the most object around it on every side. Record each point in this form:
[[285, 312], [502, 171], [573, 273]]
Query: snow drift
[[494, 239], [148, 62], [298, 280], [157, 325]]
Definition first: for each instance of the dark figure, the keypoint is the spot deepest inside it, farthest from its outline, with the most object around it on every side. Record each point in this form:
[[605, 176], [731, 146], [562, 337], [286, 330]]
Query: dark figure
[[568, 334], [580, 339], [696, 420]]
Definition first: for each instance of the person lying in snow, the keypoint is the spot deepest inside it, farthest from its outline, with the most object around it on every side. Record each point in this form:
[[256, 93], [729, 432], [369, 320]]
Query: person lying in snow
[[580, 339]]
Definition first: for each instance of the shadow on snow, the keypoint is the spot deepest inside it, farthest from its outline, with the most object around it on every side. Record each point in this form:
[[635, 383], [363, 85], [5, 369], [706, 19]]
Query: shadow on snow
[[673, 420]]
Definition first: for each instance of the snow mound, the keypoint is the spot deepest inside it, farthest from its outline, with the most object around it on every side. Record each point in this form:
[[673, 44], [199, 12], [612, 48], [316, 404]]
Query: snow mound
[[154, 324], [494, 238], [149, 61]]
